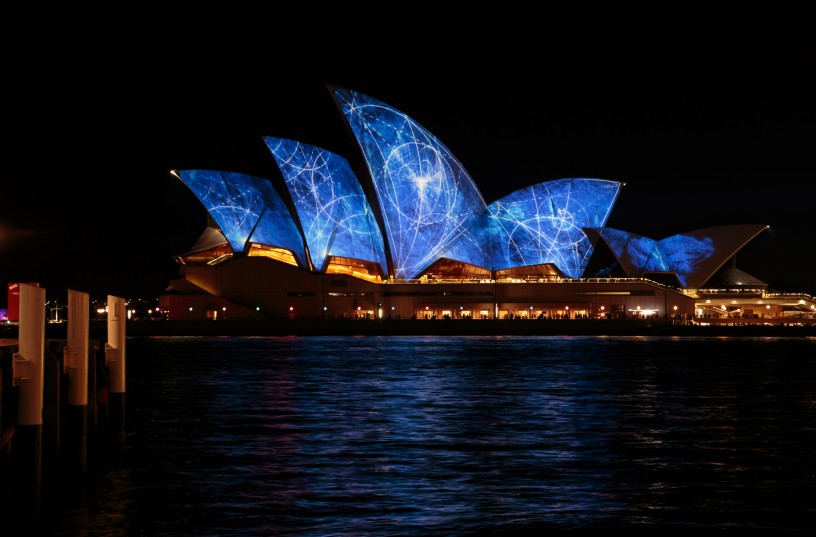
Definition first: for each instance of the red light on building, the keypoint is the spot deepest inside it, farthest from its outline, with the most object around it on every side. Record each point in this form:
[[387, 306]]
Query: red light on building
[[14, 301]]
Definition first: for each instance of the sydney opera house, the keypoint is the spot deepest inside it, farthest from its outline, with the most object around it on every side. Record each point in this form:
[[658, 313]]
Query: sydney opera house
[[411, 237]]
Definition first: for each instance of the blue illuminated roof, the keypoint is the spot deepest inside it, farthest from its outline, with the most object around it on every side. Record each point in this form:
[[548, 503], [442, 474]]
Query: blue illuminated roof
[[334, 213], [431, 209], [247, 210], [694, 256], [429, 203], [634, 252], [544, 223]]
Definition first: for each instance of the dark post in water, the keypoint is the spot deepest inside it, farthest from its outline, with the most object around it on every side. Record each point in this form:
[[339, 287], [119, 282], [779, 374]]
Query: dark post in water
[[75, 365], [115, 360], [28, 375]]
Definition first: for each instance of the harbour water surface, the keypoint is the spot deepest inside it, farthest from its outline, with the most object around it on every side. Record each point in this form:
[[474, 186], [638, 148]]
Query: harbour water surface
[[424, 435]]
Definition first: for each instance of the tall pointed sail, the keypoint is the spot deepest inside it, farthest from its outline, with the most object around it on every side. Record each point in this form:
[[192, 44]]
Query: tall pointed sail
[[430, 205]]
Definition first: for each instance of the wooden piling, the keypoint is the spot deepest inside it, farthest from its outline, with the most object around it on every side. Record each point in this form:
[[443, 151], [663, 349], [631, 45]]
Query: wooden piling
[[57, 416]]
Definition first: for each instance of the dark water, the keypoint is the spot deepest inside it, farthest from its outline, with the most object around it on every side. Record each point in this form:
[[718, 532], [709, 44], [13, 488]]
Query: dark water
[[405, 436]]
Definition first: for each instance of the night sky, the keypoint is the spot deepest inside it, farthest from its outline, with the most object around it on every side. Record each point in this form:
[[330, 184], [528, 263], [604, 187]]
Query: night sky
[[707, 115]]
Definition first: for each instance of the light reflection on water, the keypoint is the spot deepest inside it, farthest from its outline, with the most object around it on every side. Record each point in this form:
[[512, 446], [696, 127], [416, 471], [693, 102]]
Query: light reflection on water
[[372, 436]]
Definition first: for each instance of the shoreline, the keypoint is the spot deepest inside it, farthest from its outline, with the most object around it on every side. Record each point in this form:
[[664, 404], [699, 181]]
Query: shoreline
[[439, 327]]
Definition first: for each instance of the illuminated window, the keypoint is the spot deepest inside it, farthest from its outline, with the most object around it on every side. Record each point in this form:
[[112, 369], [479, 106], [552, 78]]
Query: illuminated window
[[278, 254]]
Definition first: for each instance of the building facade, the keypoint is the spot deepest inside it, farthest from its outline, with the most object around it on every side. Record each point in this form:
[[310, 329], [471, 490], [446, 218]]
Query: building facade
[[412, 237]]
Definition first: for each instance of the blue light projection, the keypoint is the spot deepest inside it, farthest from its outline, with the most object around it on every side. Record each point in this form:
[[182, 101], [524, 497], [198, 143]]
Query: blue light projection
[[430, 205], [432, 210], [694, 256], [333, 210], [246, 208], [634, 252], [544, 223], [685, 254], [679, 253]]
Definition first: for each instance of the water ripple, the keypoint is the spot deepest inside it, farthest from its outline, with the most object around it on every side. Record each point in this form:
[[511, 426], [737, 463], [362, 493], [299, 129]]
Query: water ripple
[[403, 436]]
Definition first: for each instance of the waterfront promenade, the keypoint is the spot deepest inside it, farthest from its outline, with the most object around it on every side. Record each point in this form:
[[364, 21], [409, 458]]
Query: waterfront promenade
[[441, 327]]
